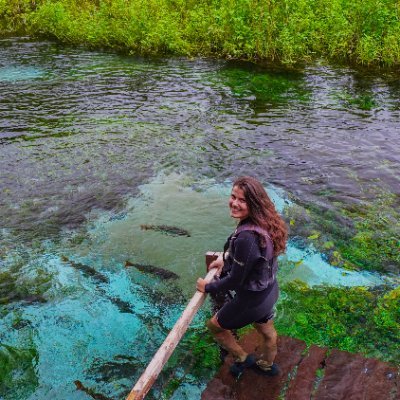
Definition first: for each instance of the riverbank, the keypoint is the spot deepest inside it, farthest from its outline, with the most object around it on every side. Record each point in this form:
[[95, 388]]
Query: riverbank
[[289, 32]]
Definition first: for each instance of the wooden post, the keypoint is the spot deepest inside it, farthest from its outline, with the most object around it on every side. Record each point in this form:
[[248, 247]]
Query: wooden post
[[149, 376]]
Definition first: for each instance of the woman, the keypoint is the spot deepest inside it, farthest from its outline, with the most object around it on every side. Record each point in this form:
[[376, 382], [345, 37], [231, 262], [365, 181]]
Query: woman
[[249, 265]]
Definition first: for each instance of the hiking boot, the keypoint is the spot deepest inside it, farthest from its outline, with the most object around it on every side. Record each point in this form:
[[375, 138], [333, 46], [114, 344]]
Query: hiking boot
[[237, 368], [262, 367]]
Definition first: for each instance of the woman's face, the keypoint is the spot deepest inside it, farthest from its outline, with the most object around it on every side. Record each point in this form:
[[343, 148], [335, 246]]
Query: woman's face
[[237, 204]]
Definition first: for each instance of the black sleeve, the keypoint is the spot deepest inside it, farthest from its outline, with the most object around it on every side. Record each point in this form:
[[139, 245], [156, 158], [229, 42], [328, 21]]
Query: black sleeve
[[246, 253]]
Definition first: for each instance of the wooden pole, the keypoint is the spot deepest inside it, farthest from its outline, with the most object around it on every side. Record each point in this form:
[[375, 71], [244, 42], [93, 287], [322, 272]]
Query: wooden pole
[[149, 376]]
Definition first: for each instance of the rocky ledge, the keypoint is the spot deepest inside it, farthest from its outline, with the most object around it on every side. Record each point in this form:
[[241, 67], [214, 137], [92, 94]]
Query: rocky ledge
[[308, 373]]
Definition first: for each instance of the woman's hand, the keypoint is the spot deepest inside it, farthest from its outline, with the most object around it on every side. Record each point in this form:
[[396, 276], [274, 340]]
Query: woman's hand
[[201, 285], [217, 263]]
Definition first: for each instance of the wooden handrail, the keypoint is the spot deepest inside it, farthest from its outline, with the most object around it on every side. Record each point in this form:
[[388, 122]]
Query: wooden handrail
[[149, 376]]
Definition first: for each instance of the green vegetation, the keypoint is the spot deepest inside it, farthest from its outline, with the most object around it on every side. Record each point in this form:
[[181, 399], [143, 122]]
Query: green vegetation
[[28, 289], [265, 87], [17, 371], [355, 320], [196, 356], [289, 31], [366, 236]]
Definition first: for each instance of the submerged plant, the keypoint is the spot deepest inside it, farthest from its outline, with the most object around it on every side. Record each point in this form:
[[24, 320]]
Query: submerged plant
[[264, 86], [358, 237], [17, 371]]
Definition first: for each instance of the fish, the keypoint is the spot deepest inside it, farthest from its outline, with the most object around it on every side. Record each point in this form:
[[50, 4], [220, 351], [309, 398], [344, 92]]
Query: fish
[[166, 229], [87, 270], [98, 396], [122, 305], [151, 269], [98, 277]]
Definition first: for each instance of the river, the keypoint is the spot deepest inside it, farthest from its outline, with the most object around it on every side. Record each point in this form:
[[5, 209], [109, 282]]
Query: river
[[96, 145]]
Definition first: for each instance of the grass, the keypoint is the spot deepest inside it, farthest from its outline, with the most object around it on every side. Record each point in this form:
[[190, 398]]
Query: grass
[[288, 31]]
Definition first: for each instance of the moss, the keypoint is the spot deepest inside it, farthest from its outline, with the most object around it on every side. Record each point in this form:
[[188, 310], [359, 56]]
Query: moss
[[387, 313], [340, 317]]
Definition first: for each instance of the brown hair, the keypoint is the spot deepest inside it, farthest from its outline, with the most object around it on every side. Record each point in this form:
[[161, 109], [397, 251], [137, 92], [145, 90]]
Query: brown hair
[[262, 211]]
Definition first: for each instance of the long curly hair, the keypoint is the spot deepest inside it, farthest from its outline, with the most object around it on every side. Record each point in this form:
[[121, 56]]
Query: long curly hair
[[262, 211]]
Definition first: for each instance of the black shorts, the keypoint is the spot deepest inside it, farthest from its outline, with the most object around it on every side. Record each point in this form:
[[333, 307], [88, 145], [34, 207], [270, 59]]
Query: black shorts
[[248, 307]]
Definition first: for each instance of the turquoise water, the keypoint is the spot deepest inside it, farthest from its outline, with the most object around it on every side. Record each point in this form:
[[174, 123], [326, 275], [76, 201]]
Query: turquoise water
[[18, 73], [94, 145]]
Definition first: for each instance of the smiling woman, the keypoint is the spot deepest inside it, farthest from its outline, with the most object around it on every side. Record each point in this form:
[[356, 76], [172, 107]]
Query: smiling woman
[[237, 204], [248, 267]]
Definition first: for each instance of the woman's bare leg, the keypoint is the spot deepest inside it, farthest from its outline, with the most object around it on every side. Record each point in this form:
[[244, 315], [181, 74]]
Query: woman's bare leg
[[225, 339], [269, 346]]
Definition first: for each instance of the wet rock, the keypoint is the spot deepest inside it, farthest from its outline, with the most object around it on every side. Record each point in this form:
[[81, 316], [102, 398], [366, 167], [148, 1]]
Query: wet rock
[[351, 376], [251, 385], [217, 390], [166, 229], [307, 374], [303, 382], [152, 270]]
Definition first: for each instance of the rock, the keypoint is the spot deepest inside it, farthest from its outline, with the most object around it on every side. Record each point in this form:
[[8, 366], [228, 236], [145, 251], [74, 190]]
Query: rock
[[217, 390], [307, 375], [351, 376]]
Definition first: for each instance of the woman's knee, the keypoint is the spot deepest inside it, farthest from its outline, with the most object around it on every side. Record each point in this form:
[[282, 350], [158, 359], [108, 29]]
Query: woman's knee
[[213, 326]]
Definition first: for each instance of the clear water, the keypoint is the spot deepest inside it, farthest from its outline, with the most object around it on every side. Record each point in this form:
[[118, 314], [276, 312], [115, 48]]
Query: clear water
[[93, 145]]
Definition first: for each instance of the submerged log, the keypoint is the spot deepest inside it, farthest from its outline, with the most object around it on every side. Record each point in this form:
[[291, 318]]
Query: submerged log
[[152, 371], [166, 229], [151, 269]]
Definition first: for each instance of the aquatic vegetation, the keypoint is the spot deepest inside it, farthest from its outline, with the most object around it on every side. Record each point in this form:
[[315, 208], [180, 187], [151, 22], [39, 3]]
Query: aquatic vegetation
[[196, 356], [14, 288], [377, 241], [387, 313], [357, 237], [17, 371], [265, 87], [351, 319], [366, 101], [290, 31], [120, 367], [151, 269], [166, 229]]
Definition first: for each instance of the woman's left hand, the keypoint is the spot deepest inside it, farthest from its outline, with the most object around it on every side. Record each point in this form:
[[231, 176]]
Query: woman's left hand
[[201, 285]]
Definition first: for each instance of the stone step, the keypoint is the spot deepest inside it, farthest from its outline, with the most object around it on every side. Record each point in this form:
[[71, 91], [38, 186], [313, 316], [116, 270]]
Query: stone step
[[314, 374]]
